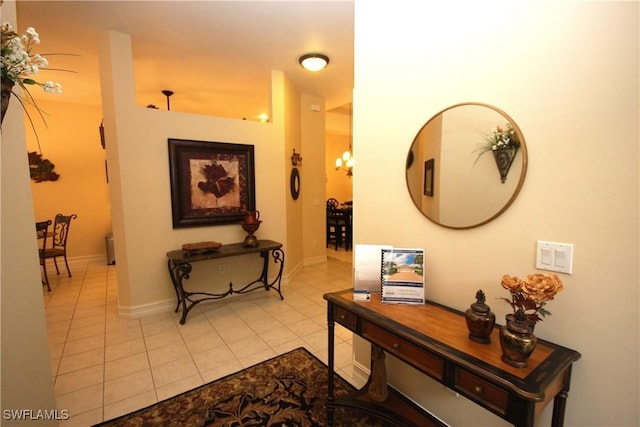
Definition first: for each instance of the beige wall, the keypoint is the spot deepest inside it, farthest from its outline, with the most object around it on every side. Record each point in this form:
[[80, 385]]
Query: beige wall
[[292, 140], [24, 350], [567, 73], [312, 182], [71, 141]]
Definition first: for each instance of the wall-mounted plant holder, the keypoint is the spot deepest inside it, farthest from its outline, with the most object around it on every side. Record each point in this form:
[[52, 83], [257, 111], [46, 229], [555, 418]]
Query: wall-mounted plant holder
[[296, 158], [504, 159], [41, 169]]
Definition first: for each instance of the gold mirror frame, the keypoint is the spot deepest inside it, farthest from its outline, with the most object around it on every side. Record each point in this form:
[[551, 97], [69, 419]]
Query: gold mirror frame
[[450, 180]]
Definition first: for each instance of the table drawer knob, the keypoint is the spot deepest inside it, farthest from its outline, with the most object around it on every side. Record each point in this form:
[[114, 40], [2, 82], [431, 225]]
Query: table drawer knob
[[396, 345], [342, 317], [478, 389]]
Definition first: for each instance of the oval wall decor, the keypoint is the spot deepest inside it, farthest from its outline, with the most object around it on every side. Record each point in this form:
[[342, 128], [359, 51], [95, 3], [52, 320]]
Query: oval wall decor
[[295, 183]]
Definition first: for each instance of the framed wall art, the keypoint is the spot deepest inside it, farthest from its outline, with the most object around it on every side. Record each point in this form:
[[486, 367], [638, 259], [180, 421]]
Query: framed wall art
[[429, 167], [212, 183]]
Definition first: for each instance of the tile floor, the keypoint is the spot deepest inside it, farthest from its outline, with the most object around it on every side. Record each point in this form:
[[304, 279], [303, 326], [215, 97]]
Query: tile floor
[[105, 366]]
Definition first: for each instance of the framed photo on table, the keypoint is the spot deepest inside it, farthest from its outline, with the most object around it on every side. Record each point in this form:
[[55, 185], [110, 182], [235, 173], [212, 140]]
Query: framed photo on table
[[212, 183]]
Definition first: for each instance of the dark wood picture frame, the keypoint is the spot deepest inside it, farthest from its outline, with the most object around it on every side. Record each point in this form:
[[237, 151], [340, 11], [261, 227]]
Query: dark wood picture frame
[[429, 168], [212, 183]]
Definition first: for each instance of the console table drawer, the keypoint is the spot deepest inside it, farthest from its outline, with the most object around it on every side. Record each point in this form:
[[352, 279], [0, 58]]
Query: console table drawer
[[419, 357], [481, 390], [345, 318]]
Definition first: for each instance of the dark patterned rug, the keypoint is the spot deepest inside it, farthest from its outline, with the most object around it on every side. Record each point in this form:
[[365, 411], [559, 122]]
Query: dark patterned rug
[[288, 390]]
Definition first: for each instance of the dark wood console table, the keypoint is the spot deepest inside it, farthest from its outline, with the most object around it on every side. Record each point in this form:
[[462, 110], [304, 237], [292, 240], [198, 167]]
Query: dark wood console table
[[434, 339], [180, 268]]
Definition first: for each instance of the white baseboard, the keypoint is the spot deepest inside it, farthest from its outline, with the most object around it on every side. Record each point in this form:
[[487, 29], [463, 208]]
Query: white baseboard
[[80, 260], [136, 312], [360, 370], [88, 259], [76, 261], [322, 259], [293, 271]]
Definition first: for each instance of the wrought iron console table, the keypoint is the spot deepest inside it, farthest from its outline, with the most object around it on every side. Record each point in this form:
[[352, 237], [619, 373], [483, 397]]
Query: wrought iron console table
[[180, 268], [434, 339]]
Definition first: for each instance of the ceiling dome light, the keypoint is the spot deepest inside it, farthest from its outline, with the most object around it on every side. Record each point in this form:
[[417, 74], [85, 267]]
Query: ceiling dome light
[[314, 61]]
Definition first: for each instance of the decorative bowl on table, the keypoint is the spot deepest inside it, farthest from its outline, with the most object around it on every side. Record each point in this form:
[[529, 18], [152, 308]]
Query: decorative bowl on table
[[200, 247]]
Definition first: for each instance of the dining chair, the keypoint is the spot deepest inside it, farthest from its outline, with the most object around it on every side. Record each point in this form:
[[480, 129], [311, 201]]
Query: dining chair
[[42, 231], [336, 225], [347, 213], [58, 248]]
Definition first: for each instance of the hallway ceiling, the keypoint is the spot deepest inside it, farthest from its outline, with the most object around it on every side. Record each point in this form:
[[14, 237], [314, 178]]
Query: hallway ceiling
[[215, 56]]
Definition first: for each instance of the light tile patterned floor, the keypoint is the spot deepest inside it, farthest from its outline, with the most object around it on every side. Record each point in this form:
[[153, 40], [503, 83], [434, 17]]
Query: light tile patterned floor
[[105, 366]]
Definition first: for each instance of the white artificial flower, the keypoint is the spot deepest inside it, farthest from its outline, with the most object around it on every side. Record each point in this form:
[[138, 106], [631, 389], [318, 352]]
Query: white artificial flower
[[35, 37], [40, 60], [19, 64], [52, 87]]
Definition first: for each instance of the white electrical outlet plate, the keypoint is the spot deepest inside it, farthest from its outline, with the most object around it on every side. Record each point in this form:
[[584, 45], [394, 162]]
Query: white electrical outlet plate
[[553, 256]]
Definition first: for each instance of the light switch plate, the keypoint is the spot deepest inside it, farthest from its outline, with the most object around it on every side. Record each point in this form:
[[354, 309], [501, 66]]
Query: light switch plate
[[553, 256]]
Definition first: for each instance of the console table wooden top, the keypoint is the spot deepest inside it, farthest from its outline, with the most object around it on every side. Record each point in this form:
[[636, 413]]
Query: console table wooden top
[[434, 339], [231, 249]]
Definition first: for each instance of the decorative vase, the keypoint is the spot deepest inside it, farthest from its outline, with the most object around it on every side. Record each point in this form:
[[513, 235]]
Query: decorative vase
[[504, 159], [480, 320], [517, 341], [252, 217], [510, 317], [7, 87], [250, 241]]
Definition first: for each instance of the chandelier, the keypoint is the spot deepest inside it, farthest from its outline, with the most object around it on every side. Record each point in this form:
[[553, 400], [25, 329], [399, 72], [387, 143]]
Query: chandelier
[[346, 161]]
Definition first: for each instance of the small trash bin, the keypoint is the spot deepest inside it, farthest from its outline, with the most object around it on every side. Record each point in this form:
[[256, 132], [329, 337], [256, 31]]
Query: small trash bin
[[111, 254]]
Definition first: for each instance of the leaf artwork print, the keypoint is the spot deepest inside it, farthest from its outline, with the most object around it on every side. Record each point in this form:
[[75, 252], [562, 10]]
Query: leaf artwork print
[[214, 183]]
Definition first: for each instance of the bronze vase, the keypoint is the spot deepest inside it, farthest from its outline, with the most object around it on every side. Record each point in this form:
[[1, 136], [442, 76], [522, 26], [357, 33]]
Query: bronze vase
[[250, 241], [7, 87], [480, 320], [517, 342]]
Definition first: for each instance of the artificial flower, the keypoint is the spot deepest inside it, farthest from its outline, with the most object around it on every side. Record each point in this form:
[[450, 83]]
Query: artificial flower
[[529, 296]]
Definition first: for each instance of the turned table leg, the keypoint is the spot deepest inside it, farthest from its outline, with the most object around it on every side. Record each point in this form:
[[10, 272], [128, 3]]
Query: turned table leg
[[378, 390]]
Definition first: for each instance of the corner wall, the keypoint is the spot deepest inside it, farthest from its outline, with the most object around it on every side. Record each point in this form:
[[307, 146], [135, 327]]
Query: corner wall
[[312, 185], [137, 152], [24, 347], [567, 73]]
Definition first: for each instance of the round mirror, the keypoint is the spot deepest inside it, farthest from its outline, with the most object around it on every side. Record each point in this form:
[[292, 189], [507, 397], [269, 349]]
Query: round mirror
[[466, 165]]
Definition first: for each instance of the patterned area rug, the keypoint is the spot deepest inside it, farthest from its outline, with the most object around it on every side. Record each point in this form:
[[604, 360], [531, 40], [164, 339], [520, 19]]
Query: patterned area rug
[[288, 390]]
